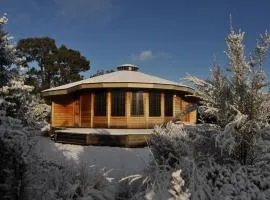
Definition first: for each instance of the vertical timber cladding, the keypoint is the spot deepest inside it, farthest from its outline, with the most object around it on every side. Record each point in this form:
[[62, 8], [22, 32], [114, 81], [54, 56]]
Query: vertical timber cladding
[[63, 111], [85, 101], [177, 105], [77, 111], [186, 117]]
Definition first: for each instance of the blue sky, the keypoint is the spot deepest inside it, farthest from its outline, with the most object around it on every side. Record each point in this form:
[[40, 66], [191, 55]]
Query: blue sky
[[165, 38]]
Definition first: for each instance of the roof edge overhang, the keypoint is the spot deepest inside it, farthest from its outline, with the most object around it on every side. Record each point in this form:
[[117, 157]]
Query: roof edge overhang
[[108, 85]]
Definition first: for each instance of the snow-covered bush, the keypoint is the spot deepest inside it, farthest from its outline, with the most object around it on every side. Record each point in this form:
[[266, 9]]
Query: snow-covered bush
[[55, 181], [26, 175], [154, 184], [228, 159], [209, 169], [40, 113], [237, 99], [16, 143]]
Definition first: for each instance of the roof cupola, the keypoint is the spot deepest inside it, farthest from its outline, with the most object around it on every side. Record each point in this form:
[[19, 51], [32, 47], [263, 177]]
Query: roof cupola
[[127, 67]]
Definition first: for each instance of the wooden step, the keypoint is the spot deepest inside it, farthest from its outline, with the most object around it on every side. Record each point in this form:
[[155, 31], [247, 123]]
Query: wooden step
[[71, 138]]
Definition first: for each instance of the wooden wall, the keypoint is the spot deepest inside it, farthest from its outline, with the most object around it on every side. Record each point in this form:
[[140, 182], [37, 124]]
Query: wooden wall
[[63, 111], [85, 105], [177, 105], [70, 111], [100, 122]]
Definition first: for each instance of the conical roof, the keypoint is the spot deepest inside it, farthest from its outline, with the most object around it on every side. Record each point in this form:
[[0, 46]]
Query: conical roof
[[128, 77]]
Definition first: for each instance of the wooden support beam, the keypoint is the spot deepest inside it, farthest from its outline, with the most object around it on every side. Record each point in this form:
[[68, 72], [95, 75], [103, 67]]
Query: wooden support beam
[[92, 109], [174, 105], [128, 104], [146, 108], [162, 104], [108, 107], [52, 114]]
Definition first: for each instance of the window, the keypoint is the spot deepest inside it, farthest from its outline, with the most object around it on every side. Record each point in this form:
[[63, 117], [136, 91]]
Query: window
[[118, 103], [154, 104], [168, 97], [100, 103], [137, 103]]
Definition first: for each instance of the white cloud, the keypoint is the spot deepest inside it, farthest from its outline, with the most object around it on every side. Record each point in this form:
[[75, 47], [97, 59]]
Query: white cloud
[[146, 55], [143, 56]]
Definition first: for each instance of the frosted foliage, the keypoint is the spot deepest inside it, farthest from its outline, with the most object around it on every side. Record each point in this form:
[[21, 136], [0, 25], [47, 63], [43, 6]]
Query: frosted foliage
[[16, 143], [23, 105], [237, 101], [212, 172], [162, 188], [55, 181], [177, 185], [19, 99], [8, 53], [242, 90], [25, 175]]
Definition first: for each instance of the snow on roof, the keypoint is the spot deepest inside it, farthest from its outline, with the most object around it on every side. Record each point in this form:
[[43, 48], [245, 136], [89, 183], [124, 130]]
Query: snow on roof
[[123, 76]]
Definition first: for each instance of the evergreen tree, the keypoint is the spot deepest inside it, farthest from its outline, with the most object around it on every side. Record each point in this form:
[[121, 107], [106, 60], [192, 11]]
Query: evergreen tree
[[55, 66]]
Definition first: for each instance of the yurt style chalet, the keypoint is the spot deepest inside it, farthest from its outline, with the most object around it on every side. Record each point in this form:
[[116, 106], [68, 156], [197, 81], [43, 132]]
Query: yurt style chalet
[[124, 99]]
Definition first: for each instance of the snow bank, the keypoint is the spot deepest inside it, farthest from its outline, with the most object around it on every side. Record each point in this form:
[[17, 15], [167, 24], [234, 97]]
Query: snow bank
[[121, 161]]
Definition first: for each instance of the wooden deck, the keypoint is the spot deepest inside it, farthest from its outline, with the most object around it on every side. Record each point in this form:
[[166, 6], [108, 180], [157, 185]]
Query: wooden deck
[[103, 137]]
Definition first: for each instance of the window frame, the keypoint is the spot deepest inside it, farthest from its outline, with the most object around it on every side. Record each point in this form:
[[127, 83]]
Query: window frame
[[137, 110], [121, 104], [166, 112], [98, 103], [154, 101]]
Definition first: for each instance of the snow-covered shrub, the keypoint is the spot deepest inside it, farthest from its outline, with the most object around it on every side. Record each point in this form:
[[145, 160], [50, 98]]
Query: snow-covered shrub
[[207, 167], [177, 185], [154, 184], [19, 99], [40, 113], [170, 147], [166, 186], [16, 143], [55, 181], [22, 104], [237, 99]]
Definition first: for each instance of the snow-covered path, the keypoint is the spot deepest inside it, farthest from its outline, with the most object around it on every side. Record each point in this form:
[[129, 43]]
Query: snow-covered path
[[122, 161]]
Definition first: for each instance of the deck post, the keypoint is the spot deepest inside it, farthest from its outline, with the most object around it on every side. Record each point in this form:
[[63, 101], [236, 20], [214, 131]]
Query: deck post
[[146, 108], [92, 110], [52, 114], [108, 102], [128, 104], [162, 104], [174, 105]]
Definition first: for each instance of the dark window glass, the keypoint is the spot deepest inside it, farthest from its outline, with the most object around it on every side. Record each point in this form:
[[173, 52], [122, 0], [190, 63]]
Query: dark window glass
[[154, 104], [168, 97], [137, 103], [100, 103], [118, 103]]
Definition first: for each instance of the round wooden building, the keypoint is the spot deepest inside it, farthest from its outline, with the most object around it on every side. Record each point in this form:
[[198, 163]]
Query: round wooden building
[[124, 99]]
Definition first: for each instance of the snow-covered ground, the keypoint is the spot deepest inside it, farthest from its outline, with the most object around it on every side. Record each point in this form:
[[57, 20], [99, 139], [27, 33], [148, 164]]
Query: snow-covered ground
[[121, 161]]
